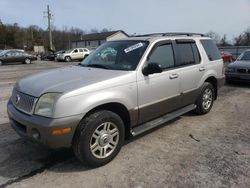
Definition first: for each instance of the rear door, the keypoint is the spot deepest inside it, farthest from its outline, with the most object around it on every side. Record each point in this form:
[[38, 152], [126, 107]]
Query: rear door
[[159, 93], [190, 68], [80, 53], [19, 56]]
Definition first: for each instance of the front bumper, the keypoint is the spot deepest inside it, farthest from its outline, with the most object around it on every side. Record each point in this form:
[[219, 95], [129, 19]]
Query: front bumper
[[60, 58], [26, 125], [238, 77]]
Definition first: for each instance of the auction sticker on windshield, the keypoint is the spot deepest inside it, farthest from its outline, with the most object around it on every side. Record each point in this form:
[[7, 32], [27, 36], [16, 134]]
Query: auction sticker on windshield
[[134, 47]]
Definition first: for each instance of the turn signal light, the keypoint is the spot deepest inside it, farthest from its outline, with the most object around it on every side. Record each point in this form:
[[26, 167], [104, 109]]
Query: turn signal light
[[61, 131]]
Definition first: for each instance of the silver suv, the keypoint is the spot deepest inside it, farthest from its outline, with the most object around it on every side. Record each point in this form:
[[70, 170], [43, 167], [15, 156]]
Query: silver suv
[[123, 88], [73, 54]]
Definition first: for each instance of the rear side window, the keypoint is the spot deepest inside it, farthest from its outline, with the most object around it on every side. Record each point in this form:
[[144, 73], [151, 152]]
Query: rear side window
[[163, 55], [80, 50], [211, 49], [187, 54]]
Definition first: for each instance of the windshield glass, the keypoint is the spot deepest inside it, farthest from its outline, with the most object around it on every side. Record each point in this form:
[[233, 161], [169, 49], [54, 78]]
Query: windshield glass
[[245, 56], [68, 51], [117, 55]]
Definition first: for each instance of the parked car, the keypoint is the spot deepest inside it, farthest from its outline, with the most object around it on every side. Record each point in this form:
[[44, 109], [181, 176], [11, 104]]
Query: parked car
[[73, 54], [12, 56], [226, 56], [93, 106], [240, 69], [52, 56]]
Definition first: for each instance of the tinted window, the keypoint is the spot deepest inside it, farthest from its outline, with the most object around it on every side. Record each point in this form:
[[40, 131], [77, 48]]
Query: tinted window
[[80, 50], [163, 55], [211, 49], [187, 54], [197, 57]]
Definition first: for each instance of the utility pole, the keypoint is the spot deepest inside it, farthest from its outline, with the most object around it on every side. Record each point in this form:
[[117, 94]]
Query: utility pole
[[49, 16]]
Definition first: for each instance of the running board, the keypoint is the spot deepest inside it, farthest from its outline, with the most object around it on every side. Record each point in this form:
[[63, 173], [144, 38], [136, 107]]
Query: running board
[[161, 120]]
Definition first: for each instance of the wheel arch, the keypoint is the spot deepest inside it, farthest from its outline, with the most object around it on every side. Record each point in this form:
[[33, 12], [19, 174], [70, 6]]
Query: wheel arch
[[212, 80], [118, 109]]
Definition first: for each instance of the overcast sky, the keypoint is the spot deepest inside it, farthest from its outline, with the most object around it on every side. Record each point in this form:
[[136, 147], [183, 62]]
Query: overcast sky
[[134, 16]]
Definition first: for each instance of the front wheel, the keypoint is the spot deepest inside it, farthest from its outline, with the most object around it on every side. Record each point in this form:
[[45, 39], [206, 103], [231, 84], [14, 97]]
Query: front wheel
[[67, 59], [205, 100], [99, 138]]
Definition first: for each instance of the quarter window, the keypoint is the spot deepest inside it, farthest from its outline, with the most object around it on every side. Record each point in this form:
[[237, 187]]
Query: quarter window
[[163, 55], [211, 49]]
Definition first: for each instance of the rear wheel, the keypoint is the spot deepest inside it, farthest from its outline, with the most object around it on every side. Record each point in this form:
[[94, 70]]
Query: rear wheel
[[67, 59], [27, 61], [205, 100], [99, 138]]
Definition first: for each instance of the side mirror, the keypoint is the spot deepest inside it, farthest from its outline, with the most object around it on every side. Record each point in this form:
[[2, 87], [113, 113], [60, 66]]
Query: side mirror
[[151, 68]]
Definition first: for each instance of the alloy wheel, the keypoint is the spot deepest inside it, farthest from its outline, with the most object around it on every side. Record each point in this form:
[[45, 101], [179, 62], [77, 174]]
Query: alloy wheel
[[104, 140]]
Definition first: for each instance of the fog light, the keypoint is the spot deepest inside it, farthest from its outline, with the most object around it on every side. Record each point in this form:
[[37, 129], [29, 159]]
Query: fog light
[[35, 133]]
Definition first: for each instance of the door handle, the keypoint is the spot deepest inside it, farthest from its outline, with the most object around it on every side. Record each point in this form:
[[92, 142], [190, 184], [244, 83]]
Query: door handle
[[173, 76], [202, 69]]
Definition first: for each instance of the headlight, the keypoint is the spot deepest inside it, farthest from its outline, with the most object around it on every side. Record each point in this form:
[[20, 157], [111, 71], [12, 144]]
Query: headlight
[[45, 104], [229, 69]]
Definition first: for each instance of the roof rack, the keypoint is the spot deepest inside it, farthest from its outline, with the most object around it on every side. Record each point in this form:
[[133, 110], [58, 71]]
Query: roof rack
[[172, 34]]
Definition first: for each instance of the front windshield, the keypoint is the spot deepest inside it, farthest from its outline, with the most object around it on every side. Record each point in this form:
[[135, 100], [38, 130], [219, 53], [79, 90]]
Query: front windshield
[[68, 51], [245, 56], [117, 55]]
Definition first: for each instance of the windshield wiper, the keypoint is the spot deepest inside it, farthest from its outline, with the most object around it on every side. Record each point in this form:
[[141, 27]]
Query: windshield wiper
[[95, 66]]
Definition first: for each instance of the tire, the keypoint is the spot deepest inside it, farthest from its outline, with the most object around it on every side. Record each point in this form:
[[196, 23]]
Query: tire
[[103, 131], [67, 59], [206, 99], [1, 63], [27, 61]]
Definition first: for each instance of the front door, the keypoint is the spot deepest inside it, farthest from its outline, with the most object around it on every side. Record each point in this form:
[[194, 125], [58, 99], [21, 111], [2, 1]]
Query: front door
[[75, 54], [159, 93]]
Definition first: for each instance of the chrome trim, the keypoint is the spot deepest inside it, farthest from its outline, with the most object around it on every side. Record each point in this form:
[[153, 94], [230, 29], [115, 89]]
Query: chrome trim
[[25, 103]]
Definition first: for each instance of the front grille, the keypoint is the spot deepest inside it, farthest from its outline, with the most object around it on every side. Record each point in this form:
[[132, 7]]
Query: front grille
[[23, 102], [242, 70]]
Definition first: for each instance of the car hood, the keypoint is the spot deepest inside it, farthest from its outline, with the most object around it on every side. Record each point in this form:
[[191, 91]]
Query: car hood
[[65, 80], [239, 64]]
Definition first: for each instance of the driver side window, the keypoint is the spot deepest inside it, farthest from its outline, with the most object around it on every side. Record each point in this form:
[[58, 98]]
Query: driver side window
[[163, 55]]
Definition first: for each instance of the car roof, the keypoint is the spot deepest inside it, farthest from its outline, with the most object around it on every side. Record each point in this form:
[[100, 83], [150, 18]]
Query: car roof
[[9, 50]]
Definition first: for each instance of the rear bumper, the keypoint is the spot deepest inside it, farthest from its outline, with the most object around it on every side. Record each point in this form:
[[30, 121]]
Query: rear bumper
[[237, 77], [221, 82], [26, 125]]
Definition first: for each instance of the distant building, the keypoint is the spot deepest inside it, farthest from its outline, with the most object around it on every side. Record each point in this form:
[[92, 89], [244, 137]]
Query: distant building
[[94, 40]]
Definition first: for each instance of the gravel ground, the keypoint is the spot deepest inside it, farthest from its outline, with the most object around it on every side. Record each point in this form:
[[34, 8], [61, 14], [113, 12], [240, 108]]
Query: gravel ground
[[212, 150]]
